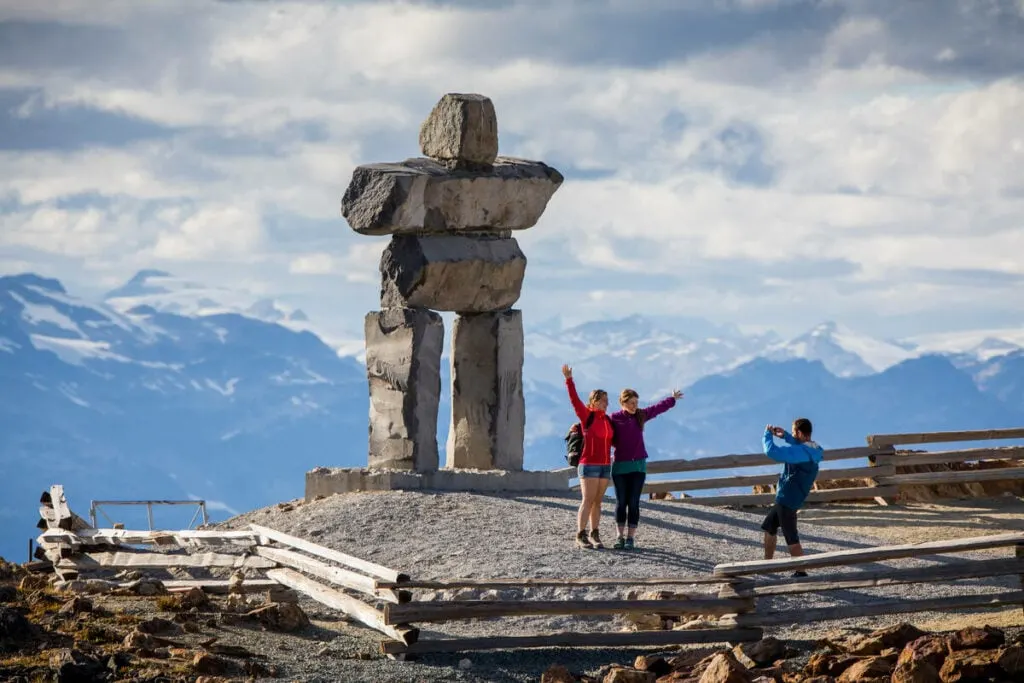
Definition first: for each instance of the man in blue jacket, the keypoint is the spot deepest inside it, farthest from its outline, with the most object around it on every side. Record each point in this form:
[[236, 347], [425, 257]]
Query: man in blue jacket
[[800, 457]]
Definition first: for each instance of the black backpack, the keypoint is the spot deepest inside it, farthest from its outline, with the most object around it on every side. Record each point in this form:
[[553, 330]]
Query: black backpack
[[574, 440]]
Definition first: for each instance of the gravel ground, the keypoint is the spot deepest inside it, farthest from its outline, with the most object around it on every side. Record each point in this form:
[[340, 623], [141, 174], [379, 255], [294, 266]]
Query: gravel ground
[[462, 535]]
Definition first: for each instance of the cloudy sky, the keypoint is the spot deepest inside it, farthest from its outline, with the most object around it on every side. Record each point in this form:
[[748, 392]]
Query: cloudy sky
[[762, 162]]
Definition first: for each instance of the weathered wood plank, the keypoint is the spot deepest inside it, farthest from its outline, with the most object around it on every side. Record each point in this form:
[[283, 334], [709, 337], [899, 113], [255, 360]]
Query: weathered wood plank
[[954, 477], [969, 569], [577, 639], [880, 440], [446, 584], [336, 575], [721, 462], [813, 614], [335, 599], [762, 479], [947, 457], [366, 566], [875, 554], [183, 538], [217, 586], [483, 609], [155, 560], [754, 499]]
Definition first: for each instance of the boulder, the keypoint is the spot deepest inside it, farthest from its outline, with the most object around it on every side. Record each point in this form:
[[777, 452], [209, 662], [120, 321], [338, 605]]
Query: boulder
[[973, 638], [653, 663], [725, 669], [930, 649], [422, 196], [556, 673], [898, 635], [620, 674], [451, 273], [915, 671], [963, 666], [488, 409], [8, 594], [403, 364], [868, 670], [1011, 660], [761, 653], [14, 627], [462, 130], [280, 616], [75, 606]]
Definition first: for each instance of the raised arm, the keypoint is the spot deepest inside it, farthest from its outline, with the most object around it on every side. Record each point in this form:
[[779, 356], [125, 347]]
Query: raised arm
[[785, 454], [577, 405], [651, 412]]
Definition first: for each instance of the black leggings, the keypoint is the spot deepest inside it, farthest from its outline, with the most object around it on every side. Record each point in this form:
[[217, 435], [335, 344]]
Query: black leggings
[[628, 488]]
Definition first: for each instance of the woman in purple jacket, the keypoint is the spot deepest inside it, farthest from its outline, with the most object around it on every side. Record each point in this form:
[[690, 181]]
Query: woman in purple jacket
[[629, 470]]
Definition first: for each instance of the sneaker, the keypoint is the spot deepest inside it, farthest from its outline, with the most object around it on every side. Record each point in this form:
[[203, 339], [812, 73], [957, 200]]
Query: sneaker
[[620, 543], [629, 544], [595, 539], [799, 575], [582, 540]]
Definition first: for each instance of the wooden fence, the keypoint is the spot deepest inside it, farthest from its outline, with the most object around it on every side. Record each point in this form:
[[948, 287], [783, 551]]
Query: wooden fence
[[384, 599], [882, 482]]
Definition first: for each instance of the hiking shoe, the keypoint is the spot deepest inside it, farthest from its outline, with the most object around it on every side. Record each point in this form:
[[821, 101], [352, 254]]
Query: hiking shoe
[[629, 544], [582, 540], [595, 540], [799, 575], [620, 543]]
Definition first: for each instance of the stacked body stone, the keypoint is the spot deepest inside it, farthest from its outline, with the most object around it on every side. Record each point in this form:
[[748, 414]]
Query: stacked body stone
[[451, 218]]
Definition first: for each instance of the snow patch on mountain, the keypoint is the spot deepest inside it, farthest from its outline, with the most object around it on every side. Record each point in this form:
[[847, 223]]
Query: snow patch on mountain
[[982, 345]]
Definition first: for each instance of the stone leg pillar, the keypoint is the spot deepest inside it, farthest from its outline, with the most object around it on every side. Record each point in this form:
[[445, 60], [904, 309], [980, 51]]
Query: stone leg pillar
[[488, 410], [403, 364]]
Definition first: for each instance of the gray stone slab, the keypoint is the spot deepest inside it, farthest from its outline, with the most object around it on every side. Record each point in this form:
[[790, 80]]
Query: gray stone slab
[[423, 196], [403, 365], [488, 409], [451, 273], [461, 130], [323, 481]]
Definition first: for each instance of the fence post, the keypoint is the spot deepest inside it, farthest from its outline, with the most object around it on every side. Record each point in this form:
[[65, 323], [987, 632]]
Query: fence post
[[873, 460], [149, 515]]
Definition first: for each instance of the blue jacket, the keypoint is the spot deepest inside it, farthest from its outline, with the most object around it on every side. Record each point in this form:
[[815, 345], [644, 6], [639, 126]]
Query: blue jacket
[[801, 468]]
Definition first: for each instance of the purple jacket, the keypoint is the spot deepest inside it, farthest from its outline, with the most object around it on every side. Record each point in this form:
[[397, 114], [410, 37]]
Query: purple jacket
[[629, 438]]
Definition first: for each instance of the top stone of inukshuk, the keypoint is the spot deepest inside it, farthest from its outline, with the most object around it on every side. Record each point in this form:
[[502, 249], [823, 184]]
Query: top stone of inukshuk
[[463, 187]]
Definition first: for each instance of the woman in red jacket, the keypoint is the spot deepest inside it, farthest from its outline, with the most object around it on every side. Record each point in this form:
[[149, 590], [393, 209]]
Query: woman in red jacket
[[595, 468]]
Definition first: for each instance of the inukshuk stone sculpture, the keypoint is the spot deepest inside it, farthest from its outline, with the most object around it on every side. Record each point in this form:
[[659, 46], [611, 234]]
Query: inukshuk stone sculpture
[[451, 218]]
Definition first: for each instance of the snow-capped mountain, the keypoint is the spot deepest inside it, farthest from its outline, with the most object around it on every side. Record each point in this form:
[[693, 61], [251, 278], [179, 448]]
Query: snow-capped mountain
[[842, 351], [151, 404], [163, 391]]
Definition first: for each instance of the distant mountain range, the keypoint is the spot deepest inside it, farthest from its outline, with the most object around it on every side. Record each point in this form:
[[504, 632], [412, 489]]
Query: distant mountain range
[[170, 389]]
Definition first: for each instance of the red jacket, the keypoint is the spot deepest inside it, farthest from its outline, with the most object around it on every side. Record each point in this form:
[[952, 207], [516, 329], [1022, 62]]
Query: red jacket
[[597, 439]]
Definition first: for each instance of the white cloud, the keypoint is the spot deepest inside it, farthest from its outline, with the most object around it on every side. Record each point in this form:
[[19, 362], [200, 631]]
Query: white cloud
[[850, 143]]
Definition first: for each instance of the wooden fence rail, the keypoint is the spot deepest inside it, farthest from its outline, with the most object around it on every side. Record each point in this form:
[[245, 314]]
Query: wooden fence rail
[[881, 479]]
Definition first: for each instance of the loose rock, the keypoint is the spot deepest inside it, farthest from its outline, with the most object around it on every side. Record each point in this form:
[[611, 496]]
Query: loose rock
[[462, 129]]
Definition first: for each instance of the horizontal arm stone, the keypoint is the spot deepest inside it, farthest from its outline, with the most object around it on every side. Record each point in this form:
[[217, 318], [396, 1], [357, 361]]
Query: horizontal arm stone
[[423, 196]]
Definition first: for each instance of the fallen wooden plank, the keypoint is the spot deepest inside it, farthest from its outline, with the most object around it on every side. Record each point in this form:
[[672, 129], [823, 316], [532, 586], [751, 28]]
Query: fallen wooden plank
[[415, 612], [954, 477], [721, 462], [755, 499], [879, 440], [577, 639], [813, 614], [336, 575], [335, 599], [762, 479], [875, 554], [446, 584], [366, 566], [216, 586], [183, 538], [968, 569], [946, 457], [153, 560]]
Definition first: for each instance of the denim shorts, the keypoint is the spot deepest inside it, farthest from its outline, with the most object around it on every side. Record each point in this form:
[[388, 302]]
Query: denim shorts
[[594, 471]]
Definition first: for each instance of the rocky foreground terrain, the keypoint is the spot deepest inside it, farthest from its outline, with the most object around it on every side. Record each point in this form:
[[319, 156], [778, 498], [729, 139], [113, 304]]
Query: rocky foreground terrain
[[133, 630]]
